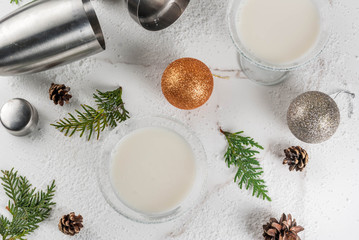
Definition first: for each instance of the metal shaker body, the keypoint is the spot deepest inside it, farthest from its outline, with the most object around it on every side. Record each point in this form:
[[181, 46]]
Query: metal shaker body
[[156, 15], [47, 33]]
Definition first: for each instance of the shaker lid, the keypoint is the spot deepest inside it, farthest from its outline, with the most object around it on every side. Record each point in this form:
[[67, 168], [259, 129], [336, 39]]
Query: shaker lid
[[16, 114]]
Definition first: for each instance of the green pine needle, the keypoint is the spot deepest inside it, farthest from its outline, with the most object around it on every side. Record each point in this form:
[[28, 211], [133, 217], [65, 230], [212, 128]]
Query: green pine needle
[[14, 1], [110, 111], [241, 154], [27, 207]]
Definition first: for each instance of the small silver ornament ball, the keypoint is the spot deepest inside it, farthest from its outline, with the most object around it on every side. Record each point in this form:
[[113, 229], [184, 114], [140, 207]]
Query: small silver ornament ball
[[19, 117], [313, 117]]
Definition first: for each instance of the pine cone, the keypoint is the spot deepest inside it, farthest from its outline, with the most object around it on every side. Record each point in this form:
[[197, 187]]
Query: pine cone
[[70, 224], [285, 229], [296, 157], [59, 93]]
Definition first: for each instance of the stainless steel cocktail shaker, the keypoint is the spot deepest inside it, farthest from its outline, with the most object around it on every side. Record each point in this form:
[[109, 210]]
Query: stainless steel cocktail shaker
[[47, 33], [19, 117], [156, 15]]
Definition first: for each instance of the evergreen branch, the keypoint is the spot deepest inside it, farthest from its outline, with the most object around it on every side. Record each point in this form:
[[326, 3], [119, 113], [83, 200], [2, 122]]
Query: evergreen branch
[[27, 207], [241, 154], [4, 222], [110, 111], [111, 102]]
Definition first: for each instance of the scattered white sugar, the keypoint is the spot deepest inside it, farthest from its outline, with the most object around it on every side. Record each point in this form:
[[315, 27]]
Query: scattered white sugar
[[135, 59]]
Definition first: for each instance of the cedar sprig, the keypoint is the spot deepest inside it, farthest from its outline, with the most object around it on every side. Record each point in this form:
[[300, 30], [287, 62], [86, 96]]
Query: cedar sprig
[[241, 154], [111, 102], [110, 111], [27, 206]]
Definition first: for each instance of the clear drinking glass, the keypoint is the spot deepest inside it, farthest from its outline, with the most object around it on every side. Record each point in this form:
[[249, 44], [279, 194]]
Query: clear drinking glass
[[267, 73], [197, 191]]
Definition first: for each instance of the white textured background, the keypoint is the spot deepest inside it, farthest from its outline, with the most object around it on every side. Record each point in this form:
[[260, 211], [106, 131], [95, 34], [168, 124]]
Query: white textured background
[[324, 198]]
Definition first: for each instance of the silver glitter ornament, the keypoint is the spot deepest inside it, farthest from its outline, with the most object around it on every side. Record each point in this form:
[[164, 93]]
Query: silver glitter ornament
[[313, 117]]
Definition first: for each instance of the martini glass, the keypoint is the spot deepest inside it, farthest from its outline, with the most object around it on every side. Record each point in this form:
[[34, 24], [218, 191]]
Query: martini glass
[[104, 168], [267, 73]]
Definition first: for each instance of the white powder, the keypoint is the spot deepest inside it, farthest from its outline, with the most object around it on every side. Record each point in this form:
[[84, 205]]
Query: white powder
[[325, 192]]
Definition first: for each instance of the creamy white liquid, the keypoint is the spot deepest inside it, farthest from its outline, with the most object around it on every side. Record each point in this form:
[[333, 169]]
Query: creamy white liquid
[[153, 170], [279, 31]]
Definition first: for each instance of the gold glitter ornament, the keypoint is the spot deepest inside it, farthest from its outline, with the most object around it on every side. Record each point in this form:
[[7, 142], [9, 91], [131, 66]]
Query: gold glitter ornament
[[187, 83]]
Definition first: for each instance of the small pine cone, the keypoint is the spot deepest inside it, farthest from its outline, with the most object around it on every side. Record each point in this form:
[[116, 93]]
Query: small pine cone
[[59, 93], [284, 229], [296, 157], [70, 224]]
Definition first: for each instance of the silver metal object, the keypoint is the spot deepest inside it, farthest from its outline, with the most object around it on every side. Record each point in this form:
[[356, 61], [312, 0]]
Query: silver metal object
[[19, 117], [313, 117], [47, 33], [156, 15]]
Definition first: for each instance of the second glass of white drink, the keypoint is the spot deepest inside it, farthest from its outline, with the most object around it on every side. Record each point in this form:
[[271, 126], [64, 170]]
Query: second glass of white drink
[[276, 36], [152, 170]]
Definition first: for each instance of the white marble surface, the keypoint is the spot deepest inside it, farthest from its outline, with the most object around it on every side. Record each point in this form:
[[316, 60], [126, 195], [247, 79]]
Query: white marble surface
[[324, 198]]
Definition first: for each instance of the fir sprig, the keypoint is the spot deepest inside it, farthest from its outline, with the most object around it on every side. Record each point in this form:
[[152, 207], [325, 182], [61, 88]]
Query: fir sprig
[[110, 111], [27, 206], [241, 154]]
